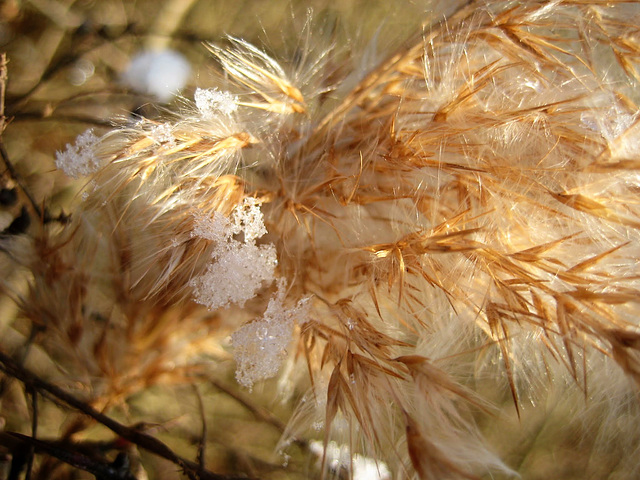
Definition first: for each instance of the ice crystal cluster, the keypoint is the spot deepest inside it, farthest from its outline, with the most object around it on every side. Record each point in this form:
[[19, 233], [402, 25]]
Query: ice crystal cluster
[[453, 235], [238, 269], [260, 346], [212, 101], [79, 159]]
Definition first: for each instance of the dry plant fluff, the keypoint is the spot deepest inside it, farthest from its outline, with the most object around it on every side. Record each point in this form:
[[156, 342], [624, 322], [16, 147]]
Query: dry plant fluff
[[435, 250]]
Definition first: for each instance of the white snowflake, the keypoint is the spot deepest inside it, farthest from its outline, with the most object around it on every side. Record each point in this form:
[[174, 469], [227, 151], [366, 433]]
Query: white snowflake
[[260, 346], [238, 269], [216, 228], [163, 133], [79, 159], [248, 218], [212, 101], [235, 275], [610, 120]]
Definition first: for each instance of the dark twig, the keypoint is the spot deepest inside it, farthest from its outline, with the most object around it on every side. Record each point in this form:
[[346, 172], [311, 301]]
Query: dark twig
[[3, 150], [3, 87], [41, 117], [203, 435], [117, 470], [34, 429], [259, 412], [142, 440]]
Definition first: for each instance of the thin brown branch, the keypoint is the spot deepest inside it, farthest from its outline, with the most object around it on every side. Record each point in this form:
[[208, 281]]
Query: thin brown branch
[[42, 117], [142, 440], [14, 176], [203, 435], [34, 429], [3, 87], [259, 412], [3, 151], [69, 454]]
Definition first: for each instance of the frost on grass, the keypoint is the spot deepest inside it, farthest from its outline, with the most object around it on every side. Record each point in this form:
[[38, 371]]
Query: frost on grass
[[260, 346], [79, 159], [163, 133], [235, 275], [617, 125], [238, 269], [216, 228], [248, 219], [610, 120], [211, 102]]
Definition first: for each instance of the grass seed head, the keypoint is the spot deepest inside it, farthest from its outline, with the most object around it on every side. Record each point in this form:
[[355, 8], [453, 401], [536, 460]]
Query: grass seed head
[[457, 232]]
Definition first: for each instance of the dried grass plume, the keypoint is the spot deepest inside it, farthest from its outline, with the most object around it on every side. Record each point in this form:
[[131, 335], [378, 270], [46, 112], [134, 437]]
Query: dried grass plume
[[425, 254]]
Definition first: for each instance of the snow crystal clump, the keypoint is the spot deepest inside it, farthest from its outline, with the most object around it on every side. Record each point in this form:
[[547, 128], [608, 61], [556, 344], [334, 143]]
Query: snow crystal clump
[[236, 275], [248, 218], [79, 159], [216, 228], [212, 101], [163, 133], [238, 269], [610, 122], [260, 346]]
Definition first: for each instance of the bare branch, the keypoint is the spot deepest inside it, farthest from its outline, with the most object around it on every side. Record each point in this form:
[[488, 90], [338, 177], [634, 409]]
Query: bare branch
[[142, 440]]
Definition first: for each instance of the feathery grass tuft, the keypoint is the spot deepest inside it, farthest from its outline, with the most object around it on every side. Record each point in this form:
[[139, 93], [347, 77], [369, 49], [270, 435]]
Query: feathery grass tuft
[[454, 240]]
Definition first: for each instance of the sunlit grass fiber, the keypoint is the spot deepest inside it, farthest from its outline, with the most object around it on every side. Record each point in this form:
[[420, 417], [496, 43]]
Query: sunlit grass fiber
[[419, 257]]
